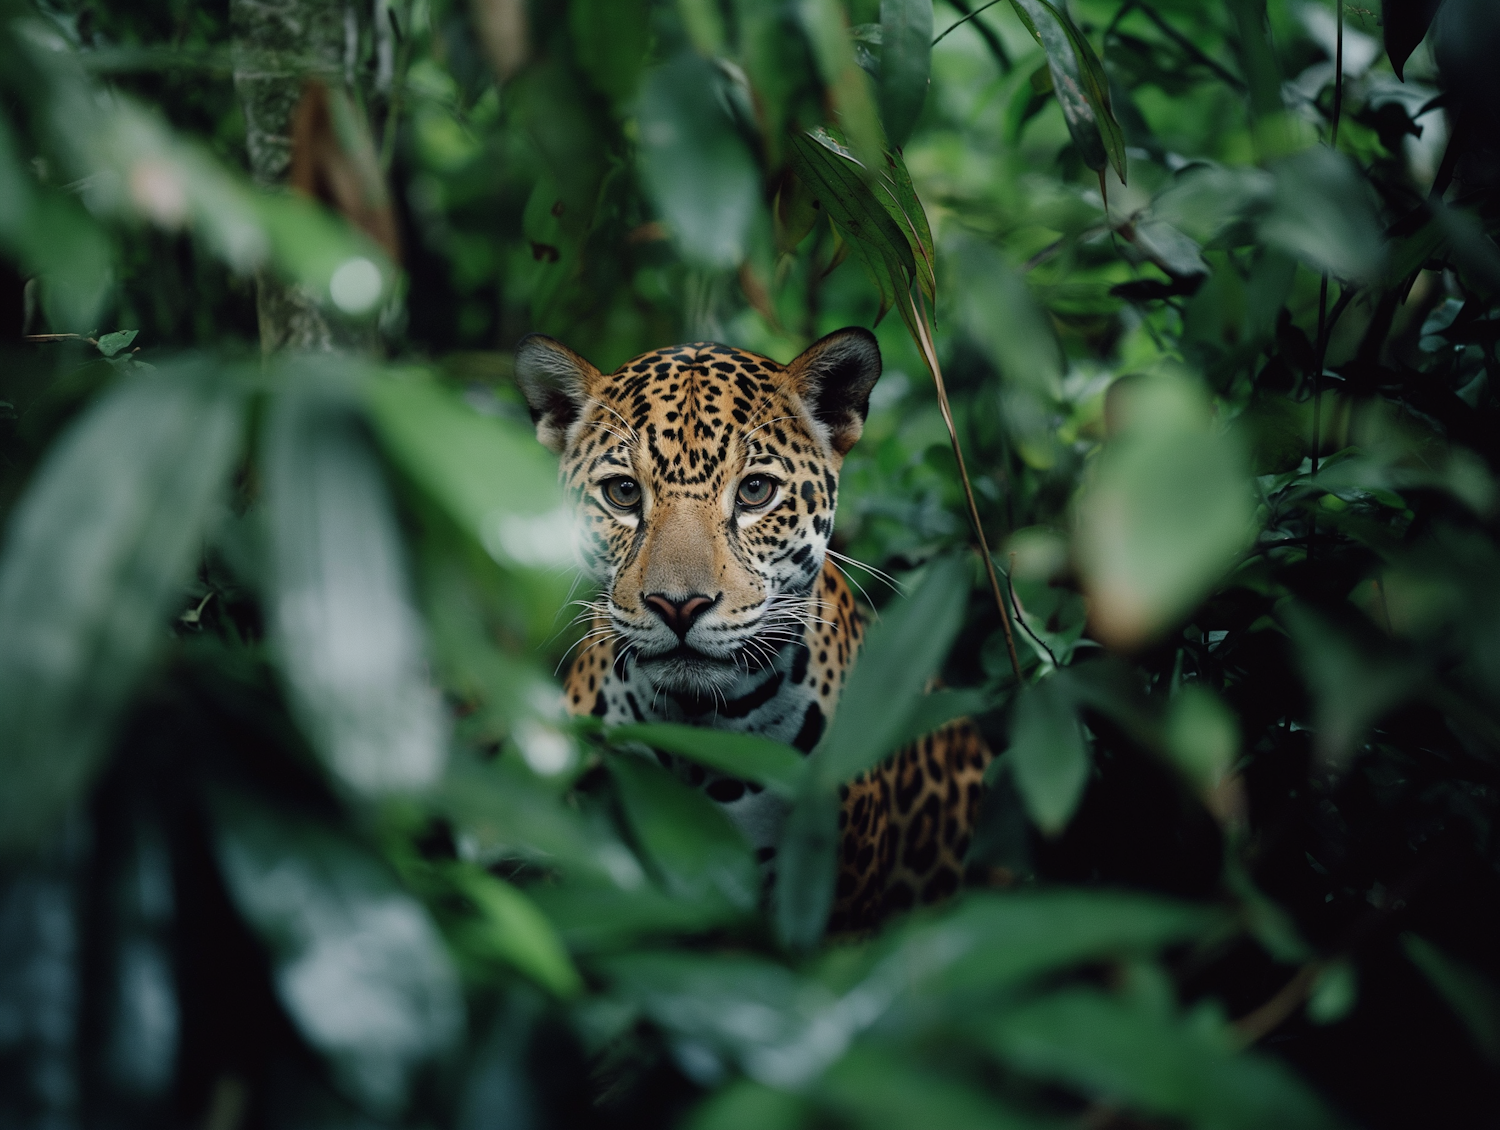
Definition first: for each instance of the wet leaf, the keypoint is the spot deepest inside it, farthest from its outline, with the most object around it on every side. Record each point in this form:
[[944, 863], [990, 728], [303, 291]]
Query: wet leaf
[[97, 554]]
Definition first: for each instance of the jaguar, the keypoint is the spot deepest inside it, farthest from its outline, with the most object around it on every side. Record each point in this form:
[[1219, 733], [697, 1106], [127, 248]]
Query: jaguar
[[705, 479]]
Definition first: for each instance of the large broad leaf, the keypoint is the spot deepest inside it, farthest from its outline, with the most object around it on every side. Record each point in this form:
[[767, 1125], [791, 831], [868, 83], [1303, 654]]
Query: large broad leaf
[[1167, 509], [1079, 81], [1130, 1054], [1048, 755], [697, 849], [748, 756], [96, 554], [357, 962], [349, 640], [695, 165], [488, 474], [905, 60], [1405, 24], [901, 653], [1322, 214]]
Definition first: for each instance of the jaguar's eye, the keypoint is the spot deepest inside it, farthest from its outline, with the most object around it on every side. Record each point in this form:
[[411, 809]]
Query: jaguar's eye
[[756, 490], [622, 492]]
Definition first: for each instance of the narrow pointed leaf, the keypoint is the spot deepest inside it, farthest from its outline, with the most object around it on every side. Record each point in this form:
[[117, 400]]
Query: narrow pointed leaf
[[905, 61]]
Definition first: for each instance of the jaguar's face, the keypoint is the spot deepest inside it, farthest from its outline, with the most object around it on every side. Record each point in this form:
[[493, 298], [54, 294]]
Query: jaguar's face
[[706, 480]]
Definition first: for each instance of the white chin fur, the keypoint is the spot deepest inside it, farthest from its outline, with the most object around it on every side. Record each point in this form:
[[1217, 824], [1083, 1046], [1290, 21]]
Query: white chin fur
[[695, 676]]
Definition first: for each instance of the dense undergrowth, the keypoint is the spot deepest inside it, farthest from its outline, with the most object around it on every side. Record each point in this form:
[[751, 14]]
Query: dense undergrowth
[[295, 832]]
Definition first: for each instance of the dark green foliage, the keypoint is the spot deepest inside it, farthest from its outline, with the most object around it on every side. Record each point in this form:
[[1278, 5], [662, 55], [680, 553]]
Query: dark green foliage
[[296, 830]]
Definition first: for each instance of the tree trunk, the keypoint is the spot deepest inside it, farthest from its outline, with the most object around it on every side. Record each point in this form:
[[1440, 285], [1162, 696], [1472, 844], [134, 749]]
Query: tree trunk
[[277, 46]]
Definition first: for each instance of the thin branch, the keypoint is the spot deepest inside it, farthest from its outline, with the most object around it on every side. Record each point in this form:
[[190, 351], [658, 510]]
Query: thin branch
[[996, 47], [929, 355], [1190, 48]]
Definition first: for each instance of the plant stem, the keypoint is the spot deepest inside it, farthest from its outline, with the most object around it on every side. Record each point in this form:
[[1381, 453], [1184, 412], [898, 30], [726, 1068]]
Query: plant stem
[[929, 355]]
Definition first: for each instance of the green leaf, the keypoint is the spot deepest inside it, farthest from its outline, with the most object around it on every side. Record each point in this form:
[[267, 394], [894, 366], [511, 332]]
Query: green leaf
[[697, 169], [97, 553], [747, 1105], [747, 756], [837, 180], [848, 86], [509, 813], [1404, 24], [1048, 754], [695, 846], [905, 60], [1079, 81], [1165, 512], [609, 41], [1322, 214], [511, 928], [113, 344], [1471, 995], [901, 652], [595, 917], [357, 963], [1135, 1056], [932, 712], [349, 641], [1202, 736], [705, 25], [489, 474], [885, 1091], [1334, 994]]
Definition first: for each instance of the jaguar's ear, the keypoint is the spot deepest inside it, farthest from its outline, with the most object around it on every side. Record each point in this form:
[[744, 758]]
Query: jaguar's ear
[[556, 383], [834, 377]]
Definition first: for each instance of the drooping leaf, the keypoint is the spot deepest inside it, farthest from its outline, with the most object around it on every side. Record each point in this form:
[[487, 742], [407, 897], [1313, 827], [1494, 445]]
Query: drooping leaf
[[1136, 1056], [749, 756], [849, 87], [357, 963], [696, 167], [1079, 81], [1048, 754], [905, 60], [698, 851], [96, 555], [349, 640]]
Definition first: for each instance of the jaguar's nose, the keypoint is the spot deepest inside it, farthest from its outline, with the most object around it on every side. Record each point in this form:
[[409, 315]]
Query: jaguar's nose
[[679, 614]]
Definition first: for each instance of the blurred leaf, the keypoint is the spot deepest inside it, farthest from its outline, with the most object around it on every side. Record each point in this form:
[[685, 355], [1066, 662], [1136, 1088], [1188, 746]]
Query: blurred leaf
[[609, 40], [357, 963], [512, 928], [113, 344], [594, 917], [97, 553], [1201, 735], [488, 474], [1405, 24], [1167, 509], [349, 640], [704, 23], [1354, 681], [905, 59], [848, 86], [747, 756], [1334, 994], [1472, 996], [1154, 1063], [698, 850], [1079, 81], [883, 1091], [997, 311], [932, 712], [901, 652], [1048, 754], [747, 1105], [1321, 213], [510, 813], [695, 165]]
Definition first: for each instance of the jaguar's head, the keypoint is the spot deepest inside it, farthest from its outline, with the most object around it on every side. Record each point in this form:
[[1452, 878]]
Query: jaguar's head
[[706, 480]]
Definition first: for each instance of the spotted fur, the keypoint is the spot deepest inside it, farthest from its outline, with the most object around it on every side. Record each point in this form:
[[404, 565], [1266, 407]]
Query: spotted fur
[[719, 609]]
